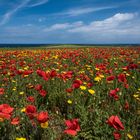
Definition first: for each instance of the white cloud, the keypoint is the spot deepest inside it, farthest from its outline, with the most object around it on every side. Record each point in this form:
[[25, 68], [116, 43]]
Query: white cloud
[[120, 28], [110, 24], [9, 14], [63, 26], [37, 3], [113, 22], [80, 11]]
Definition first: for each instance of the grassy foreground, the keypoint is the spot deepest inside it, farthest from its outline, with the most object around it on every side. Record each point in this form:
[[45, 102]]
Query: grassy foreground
[[70, 94]]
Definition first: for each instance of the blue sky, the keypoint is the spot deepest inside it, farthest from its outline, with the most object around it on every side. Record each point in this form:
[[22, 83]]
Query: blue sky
[[70, 21]]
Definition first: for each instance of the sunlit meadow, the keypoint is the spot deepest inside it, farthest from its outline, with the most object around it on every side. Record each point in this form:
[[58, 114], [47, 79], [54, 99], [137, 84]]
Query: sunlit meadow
[[70, 94]]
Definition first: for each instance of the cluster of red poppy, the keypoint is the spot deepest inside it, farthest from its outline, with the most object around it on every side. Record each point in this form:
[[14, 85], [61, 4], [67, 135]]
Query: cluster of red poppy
[[115, 122], [31, 112]]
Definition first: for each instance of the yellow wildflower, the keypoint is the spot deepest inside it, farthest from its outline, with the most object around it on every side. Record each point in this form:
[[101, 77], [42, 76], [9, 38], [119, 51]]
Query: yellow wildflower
[[97, 69], [6, 96], [21, 93], [82, 71], [138, 99], [88, 66], [26, 68], [84, 83], [30, 85], [129, 136], [14, 89], [83, 87], [136, 95], [57, 69], [91, 74], [26, 75], [97, 79], [8, 73], [91, 91], [101, 76], [23, 109], [55, 57], [1, 119], [21, 138], [47, 71], [44, 125], [69, 101], [127, 74]]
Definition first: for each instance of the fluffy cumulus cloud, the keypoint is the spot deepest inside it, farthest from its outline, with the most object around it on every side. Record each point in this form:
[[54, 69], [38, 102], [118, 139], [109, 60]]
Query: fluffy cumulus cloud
[[114, 22], [119, 28]]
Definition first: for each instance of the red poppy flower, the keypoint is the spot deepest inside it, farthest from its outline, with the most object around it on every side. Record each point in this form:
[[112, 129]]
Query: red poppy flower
[[15, 121], [43, 74], [39, 72], [27, 72], [125, 68], [5, 79], [69, 90], [76, 84], [1, 91], [113, 93], [42, 117], [43, 93], [19, 72], [72, 127], [69, 74], [110, 78], [31, 99], [5, 111], [117, 136], [53, 73], [126, 85], [117, 89], [122, 78], [133, 66], [64, 76], [89, 85], [115, 122], [126, 106], [38, 87], [31, 111]]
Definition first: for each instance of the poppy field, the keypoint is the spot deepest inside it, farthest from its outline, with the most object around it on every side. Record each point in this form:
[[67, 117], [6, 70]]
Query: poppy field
[[70, 93]]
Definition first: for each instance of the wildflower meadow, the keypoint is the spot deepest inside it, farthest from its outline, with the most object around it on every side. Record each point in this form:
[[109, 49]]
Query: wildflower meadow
[[70, 93]]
